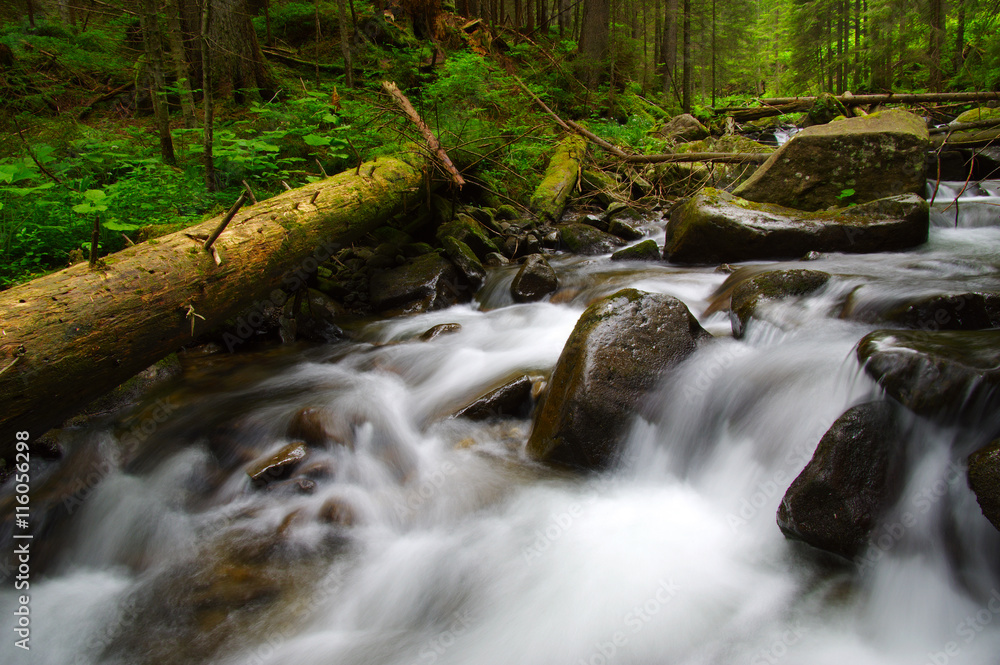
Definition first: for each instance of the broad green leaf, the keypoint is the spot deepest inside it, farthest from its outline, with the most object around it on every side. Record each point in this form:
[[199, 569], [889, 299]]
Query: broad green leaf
[[94, 195], [112, 225], [83, 208], [316, 140]]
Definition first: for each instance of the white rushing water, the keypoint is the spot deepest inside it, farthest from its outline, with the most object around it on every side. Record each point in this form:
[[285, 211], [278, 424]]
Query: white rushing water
[[463, 551]]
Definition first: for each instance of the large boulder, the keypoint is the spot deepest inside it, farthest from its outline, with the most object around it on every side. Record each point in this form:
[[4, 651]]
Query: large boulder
[[535, 280], [940, 374], [971, 310], [684, 127], [984, 479], [616, 354], [773, 285], [718, 227], [851, 480], [847, 161]]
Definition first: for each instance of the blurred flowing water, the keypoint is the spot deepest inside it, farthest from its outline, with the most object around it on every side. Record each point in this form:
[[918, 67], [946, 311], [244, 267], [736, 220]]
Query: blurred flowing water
[[458, 549]]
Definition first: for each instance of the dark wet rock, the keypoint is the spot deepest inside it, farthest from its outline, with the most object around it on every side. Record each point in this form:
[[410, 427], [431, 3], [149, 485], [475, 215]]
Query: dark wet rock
[[984, 479], [647, 250], [962, 311], [940, 374], [277, 466], [585, 239], [617, 353], [597, 221], [426, 283], [440, 329], [315, 316], [495, 260], [684, 127], [748, 295], [624, 230], [292, 486], [717, 227], [873, 157], [535, 280], [513, 398], [506, 213], [466, 229], [853, 478], [309, 425], [465, 260]]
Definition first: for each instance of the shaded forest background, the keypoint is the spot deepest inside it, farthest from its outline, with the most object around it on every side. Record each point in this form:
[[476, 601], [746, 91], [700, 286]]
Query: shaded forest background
[[126, 119]]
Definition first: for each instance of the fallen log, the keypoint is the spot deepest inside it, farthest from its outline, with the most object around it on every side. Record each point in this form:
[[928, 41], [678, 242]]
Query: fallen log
[[779, 105], [715, 157], [561, 176], [71, 336], [297, 62]]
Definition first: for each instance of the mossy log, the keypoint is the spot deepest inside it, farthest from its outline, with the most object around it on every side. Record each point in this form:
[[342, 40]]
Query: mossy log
[[73, 335], [561, 177]]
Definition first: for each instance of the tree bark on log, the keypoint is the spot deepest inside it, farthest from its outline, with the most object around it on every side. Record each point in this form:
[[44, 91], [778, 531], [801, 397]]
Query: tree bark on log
[[73, 335], [715, 157], [779, 105]]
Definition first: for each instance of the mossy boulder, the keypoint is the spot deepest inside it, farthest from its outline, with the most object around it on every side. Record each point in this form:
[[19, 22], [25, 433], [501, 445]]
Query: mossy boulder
[[977, 115], [535, 280], [942, 374], [624, 230], [769, 286], [984, 479], [718, 227], [618, 352], [469, 231], [465, 260], [682, 128], [647, 250], [849, 161], [726, 176], [425, 283], [586, 239], [604, 188], [825, 109], [853, 478], [561, 175]]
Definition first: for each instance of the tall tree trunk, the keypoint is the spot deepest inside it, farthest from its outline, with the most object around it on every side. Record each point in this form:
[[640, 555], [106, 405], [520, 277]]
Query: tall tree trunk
[[958, 59], [152, 41], [593, 48], [345, 43], [179, 60], [937, 19], [669, 54], [206, 97], [686, 93], [31, 12], [714, 20], [239, 67]]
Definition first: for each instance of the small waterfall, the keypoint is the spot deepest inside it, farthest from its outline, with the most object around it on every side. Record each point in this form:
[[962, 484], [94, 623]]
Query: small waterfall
[[414, 536]]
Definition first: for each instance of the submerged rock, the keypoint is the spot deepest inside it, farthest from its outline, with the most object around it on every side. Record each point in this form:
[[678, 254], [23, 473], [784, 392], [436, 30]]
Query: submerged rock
[[535, 280], [585, 239], [277, 466], [440, 329], [616, 354], [848, 161], [774, 285], [984, 479], [717, 227], [941, 374], [851, 480]]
